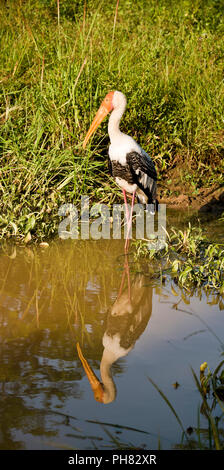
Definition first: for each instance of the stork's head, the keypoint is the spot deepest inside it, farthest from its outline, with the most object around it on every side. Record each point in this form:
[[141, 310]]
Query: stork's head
[[113, 100], [96, 385]]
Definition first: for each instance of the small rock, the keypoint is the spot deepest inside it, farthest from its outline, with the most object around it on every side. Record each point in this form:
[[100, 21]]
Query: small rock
[[44, 245]]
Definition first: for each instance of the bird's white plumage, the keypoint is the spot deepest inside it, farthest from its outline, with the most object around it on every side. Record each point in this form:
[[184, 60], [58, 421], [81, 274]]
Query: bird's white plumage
[[130, 188], [112, 344], [120, 149], [122, 145]]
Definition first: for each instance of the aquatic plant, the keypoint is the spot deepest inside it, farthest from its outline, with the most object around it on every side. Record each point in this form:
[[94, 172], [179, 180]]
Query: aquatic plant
[[189, 258], [211, 388]]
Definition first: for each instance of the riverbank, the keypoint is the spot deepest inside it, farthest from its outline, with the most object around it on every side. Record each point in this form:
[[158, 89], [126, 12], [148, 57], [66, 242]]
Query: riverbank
[[206, 200]]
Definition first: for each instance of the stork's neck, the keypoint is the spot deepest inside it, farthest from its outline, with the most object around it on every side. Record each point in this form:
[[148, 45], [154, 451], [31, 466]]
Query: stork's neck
[[114, 121], [109, 386]]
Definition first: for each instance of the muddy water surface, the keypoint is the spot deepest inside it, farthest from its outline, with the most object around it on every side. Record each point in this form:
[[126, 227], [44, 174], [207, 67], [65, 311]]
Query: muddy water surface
[[129, 327]]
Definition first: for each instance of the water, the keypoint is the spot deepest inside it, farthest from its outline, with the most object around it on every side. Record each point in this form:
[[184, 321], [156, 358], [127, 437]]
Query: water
[[85, 292]]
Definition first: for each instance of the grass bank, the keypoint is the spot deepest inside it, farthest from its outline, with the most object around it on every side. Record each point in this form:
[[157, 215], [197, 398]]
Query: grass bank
[[58, 60]]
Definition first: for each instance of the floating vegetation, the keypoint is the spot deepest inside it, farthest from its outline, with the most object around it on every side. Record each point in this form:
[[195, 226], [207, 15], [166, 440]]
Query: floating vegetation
[[189, 258]]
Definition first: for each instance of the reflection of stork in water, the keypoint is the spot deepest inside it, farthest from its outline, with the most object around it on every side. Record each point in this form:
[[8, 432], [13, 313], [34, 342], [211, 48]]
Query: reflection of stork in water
[[126, 322]]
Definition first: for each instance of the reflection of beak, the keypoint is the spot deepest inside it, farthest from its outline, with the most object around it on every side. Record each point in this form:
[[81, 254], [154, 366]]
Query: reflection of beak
[[96, 386], [103, 110]]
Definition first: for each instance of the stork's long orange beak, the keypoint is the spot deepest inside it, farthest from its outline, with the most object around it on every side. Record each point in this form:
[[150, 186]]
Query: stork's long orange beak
[[105, 108], [96, 386]]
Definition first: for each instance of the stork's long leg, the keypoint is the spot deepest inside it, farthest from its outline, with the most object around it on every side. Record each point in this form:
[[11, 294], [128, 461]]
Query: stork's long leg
[[126, 208], [122, 284], [125, 273], [129, 223], [126, 205], [128, 277]]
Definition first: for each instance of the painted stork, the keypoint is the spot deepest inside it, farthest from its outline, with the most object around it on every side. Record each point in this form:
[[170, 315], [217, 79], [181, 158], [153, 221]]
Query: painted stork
[[131, 167], [126, 321]]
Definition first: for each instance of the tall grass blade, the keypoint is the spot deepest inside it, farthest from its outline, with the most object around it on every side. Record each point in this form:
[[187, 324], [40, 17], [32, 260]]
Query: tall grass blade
[[114, 26], [119, 426], [170, 406]]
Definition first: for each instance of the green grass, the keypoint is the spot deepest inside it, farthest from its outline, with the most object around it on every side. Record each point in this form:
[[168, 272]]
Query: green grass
[[60, 58]]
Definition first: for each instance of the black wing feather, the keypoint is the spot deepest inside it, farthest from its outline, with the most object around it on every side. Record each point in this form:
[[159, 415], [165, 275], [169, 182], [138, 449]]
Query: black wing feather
[[141, 163], [140, 166], [110, 167]]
